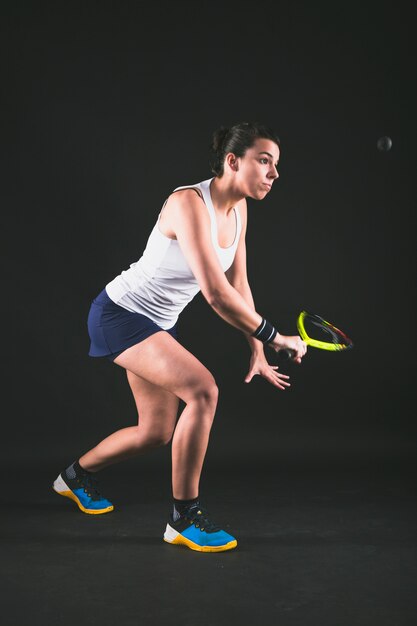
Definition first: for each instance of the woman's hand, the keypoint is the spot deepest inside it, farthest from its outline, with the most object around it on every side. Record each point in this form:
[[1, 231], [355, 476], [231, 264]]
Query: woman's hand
[[293, 343], [259, 365]]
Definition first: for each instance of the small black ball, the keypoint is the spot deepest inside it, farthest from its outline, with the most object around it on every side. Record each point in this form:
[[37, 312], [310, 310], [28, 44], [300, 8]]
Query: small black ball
[[384, 144]]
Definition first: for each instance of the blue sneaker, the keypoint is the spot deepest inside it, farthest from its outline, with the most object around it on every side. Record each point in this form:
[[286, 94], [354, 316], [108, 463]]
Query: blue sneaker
[[195, 530], [83, 490]]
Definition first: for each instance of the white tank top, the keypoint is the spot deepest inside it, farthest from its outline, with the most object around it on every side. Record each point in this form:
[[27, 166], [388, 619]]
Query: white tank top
[[161, 284]]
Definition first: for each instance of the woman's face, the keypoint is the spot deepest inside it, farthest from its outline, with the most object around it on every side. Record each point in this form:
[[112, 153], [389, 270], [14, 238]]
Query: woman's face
[[257, 169]]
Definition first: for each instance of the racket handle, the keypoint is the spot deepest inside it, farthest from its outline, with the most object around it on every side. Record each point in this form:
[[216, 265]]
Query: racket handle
[[286, 353]]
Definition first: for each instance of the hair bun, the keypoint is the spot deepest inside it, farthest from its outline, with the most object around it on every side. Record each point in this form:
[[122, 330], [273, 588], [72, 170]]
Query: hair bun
[[219, 136]]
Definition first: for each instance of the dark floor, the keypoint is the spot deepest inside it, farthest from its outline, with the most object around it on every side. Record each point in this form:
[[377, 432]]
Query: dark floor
[[316, 547]]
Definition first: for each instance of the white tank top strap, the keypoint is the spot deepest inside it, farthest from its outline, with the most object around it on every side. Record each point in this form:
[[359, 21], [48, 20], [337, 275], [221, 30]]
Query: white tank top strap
[[204, 187]]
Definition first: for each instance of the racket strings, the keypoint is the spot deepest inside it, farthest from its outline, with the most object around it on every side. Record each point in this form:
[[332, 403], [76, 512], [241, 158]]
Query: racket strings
[[328, 329]]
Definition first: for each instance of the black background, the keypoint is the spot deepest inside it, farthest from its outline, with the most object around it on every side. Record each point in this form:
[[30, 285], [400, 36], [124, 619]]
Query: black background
[[106, 107]]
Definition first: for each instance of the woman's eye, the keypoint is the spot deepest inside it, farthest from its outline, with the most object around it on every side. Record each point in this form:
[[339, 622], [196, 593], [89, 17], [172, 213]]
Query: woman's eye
[[264, 161]]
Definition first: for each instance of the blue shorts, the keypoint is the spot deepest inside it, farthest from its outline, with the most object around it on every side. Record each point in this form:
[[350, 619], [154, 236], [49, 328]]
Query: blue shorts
[[113, 329]]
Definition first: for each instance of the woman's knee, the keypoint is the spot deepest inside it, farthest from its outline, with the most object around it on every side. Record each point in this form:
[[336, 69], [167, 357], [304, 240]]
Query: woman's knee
[[151, 438], [156, 440], [204, 391]]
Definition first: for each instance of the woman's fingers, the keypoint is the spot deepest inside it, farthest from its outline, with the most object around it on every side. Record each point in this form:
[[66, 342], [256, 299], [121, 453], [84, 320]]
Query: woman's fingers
[[271, 374], [280, 380]]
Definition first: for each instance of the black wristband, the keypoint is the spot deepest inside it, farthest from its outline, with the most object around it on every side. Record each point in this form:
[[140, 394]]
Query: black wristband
[[265, 332]]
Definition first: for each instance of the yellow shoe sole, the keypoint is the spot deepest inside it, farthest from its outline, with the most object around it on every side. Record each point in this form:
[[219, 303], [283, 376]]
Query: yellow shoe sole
[[61, 488], [72, 496], [174, 538]]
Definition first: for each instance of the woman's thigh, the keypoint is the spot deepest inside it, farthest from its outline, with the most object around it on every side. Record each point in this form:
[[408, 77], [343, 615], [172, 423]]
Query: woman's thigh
[[162, 361]]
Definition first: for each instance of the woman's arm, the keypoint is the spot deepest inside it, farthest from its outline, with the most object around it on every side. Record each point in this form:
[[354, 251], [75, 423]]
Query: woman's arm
[[191, 224], [192, 228], [237, 275]]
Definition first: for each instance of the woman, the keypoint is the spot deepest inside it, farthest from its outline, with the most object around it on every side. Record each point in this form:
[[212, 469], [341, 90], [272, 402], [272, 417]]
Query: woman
[[197, 243]]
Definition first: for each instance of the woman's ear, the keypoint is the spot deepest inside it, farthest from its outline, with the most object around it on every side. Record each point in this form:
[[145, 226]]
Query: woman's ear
[[232, 161]]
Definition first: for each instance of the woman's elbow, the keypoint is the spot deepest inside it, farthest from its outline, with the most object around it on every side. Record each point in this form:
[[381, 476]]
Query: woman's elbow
[[216, 298]]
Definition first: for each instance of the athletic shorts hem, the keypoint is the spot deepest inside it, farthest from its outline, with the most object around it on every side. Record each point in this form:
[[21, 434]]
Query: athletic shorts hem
[[114, 355], [113, 329]]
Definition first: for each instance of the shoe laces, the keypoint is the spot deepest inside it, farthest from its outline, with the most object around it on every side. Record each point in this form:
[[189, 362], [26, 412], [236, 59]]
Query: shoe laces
[[200, 518], [89, 483]]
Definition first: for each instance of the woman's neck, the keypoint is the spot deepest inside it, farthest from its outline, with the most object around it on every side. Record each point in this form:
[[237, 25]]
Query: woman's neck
[[223, 196]]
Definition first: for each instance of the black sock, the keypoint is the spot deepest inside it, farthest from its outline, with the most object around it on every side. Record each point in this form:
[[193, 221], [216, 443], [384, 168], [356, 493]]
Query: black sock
[[75, 470], [180, 507]]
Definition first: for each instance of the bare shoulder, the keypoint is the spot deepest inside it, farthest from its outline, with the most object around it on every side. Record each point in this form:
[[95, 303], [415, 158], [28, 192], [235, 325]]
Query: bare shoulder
[[182, 205], [191, 197]]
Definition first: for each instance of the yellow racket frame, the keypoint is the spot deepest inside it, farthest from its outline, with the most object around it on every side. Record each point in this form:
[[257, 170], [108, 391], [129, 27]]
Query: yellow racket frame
[[315, 343]]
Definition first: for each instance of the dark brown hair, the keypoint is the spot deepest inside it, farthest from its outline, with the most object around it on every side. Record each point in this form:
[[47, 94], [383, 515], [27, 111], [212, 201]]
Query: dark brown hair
[[236, 139]]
